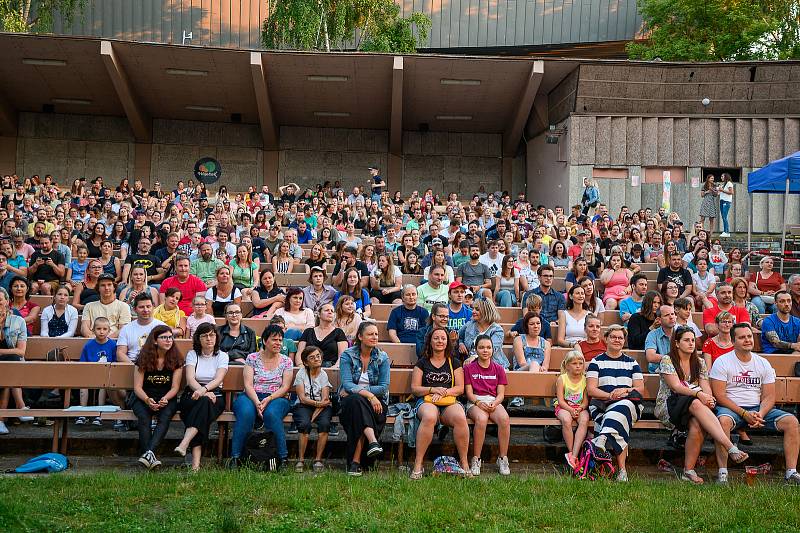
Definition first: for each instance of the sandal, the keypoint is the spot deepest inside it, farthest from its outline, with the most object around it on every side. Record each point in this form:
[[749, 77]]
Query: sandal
[[416, 475], [298, 467], [691, 475], [318, 466], [737, 455]]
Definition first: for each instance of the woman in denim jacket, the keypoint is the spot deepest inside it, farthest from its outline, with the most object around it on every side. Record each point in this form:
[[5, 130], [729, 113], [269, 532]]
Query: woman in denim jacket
[[364, 392]]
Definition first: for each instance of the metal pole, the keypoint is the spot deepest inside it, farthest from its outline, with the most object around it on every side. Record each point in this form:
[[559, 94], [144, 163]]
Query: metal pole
[[750, 225], [783, 235]]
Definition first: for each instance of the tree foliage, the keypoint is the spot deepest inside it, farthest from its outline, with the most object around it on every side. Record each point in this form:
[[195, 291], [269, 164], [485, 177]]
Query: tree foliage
[[36, 16], [374, 25], [718, 30]]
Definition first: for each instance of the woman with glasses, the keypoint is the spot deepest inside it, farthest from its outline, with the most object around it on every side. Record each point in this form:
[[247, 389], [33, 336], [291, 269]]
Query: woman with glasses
[[685, 401], [267, 377], [86, 290], [615, 383], [235, 338], [202, 401], [156, 383]]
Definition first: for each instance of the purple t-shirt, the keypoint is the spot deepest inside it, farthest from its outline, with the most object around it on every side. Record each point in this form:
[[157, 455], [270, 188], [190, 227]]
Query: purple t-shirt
[[484, 381]]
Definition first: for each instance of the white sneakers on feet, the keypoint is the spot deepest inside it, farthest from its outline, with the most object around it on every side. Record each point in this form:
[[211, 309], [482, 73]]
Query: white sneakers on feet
[[475, 466], [3, 429], [26, 418], [722, 478], [622, 476], [724, 234], [502, 464]]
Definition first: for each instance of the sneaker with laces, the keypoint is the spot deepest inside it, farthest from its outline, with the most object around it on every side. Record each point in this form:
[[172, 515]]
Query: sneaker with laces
[[292, 428], [622, 476], [793, 479], [3, 428], [318, 467], [120, 426], [144, 460], [475, 466], [154, 462], [97, 421], [26, 418], [516, 401], [334, 429], [81, 420], [374, 449], [722, 478], [502, 465], [298, 467], [354, 470]]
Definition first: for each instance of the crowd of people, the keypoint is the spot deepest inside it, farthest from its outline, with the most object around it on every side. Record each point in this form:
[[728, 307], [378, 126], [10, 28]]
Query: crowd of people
[[133, 269]]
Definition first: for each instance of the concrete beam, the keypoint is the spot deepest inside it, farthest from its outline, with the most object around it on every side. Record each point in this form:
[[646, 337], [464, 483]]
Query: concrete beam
[[514, 130], [137, 117], [269, 130], [8, 118], [396, 131]]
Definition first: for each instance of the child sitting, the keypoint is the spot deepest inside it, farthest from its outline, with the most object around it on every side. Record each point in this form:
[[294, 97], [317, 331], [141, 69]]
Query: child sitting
[[313, 405], [289, 347], [101, 349], [170, 314], [572, 404], [76, 270], [485, 383], [198, 315]]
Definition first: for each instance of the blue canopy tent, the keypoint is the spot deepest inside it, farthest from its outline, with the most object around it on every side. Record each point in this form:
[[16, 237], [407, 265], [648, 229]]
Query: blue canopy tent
[[782, 175]]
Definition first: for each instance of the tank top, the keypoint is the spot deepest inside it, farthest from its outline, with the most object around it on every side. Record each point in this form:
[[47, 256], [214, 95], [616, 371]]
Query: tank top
[[574, 330], [533, 354], [573, 392], [109, 268], [88, 295]]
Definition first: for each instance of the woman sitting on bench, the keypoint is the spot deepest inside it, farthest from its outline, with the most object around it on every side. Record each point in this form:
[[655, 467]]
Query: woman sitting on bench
[[437, 381], [13, 339]]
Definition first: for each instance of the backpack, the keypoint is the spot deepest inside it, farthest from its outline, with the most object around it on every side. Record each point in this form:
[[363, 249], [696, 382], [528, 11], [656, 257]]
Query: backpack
[[48, 463], [261, 451], [446, 464], [593, 463]]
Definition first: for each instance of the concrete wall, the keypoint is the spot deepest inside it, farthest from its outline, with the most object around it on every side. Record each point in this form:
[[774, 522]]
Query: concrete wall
[[548, 172], [70, 146]]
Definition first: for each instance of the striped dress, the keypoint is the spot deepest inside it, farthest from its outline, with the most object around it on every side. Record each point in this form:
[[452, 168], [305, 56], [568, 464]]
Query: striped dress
[[612, 426]]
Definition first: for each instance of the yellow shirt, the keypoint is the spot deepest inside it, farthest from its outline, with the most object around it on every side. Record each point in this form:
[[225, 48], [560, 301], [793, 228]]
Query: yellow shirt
[[171, 318]]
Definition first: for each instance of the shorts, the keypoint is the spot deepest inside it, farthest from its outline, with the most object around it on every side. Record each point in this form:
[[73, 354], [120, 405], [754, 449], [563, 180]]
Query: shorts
[[441, 409], [11, 357], [558, 407], [770, 421], [482, 398]]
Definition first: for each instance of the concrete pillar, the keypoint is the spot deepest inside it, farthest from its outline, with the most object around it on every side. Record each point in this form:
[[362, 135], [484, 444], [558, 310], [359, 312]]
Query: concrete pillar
[[394, 173], [507, 164], [143, 153], [271, 169], [8, 155]]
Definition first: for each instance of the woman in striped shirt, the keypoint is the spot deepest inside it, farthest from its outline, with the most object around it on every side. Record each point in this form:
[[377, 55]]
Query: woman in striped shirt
[[615, 383]]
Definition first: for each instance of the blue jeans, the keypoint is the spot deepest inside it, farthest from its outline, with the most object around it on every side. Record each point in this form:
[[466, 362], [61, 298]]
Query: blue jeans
[[763, 308], [506, 298], [770, 421], [724, 208], [245, 411]]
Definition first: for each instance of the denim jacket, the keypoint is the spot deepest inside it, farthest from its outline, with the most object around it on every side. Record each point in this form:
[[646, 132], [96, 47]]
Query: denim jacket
[[14, 329], [377, 370]]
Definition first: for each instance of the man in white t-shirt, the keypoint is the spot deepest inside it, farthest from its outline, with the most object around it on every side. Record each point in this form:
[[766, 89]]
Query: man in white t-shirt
[[132, 335], [493, 258], [743, 384]]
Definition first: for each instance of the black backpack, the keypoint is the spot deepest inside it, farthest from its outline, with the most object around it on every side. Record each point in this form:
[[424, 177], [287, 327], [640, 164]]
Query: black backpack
[[261, 451]]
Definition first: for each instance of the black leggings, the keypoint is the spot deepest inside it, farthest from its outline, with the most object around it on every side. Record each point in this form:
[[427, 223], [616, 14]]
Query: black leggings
[[149, 440]]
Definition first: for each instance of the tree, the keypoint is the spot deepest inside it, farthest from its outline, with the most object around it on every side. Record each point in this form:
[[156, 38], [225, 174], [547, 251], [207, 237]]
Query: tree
[[718, 30], [374, 25], [36, 16]]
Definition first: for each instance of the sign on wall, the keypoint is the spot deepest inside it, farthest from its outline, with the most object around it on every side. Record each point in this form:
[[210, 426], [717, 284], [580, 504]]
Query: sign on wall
[[666, 191], [207, 170]]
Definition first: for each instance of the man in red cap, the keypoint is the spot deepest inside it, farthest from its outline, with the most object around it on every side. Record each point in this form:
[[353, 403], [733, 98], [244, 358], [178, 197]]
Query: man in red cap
[[460, 314]]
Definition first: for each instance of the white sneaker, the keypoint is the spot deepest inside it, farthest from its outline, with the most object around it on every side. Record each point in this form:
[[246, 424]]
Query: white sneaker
[[724, 234], [81, 420], [475, 466], [516, 401], [502, 464], [3, 429], [722, 478], [26, 418], [622, 476]]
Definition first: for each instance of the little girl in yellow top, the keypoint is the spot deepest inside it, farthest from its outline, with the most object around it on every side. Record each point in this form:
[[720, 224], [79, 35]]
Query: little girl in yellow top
[[170, 314], [572, 403]]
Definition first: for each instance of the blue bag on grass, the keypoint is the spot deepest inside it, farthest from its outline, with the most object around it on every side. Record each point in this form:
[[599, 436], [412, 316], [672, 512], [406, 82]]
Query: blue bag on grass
[[48, 462]]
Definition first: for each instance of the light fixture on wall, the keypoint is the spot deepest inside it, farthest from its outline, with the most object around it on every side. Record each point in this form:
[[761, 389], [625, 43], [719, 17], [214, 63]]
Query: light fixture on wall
[[186, 72], [453, 117], [212, 108], [317, 77], [73, 101], [452, 81], [554, 133], [44, 62], [331, 114]]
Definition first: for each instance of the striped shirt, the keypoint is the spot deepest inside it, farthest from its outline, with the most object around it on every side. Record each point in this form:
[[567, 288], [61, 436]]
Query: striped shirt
[[614, 373]]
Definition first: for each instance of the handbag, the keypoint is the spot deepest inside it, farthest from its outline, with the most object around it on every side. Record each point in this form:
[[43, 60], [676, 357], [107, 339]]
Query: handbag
[[57, 355], [446, 400]]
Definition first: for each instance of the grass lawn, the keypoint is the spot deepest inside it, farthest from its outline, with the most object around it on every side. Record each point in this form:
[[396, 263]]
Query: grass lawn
[[216, 500]]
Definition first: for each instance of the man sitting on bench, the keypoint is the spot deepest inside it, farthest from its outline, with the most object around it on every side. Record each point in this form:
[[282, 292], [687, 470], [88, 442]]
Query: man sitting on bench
[[743, 384]]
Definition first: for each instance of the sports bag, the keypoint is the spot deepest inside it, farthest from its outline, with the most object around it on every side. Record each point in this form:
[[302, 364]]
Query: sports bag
[[446, 464], [48, 463], [261, 452]]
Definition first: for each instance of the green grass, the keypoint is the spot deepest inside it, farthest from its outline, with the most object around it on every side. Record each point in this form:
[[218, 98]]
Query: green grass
[[216, 500]]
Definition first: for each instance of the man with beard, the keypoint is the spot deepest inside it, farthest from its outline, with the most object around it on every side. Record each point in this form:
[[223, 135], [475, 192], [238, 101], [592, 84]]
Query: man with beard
[[475, 274], [205, 267], [146, 260]]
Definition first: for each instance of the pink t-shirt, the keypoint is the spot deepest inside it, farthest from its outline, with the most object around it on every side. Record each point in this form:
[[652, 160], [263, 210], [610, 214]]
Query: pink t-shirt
[[267, 381], [484, 381]]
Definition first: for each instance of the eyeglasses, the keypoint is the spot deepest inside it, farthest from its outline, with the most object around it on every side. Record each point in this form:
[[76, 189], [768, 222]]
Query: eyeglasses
[[165, 337], [209, 335], [315, 355], [232, 313]]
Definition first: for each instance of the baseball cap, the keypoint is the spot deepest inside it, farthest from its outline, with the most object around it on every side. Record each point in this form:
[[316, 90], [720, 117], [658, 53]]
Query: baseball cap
[[583, 232], [468, 292], [456, 285], [106, 276], [373, 167], [435, 241], [317, 268]]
